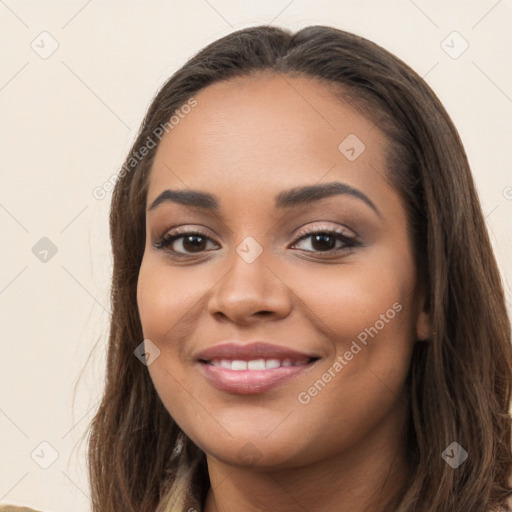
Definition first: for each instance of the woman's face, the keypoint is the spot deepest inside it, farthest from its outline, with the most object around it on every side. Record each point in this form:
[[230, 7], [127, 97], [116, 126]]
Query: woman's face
[[284, 319]]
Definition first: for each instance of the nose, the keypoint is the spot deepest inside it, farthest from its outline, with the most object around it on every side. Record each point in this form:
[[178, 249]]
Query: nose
[[249, 292]]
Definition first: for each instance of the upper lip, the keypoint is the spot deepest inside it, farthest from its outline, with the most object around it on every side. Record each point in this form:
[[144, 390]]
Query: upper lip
[[251, 351]]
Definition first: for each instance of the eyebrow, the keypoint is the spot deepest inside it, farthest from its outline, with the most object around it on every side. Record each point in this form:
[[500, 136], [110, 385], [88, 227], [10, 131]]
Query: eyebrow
[[287, 199]]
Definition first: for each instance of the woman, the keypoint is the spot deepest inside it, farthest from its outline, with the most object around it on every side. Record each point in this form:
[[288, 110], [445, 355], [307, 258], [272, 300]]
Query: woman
[[307, 312], [308, 204]]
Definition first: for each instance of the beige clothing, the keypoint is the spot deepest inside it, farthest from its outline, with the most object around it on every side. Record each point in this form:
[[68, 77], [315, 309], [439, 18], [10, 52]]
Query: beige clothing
[[13, 508]]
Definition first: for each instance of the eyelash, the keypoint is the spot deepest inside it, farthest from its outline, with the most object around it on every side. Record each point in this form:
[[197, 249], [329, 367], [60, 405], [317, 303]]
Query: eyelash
[[348, 242]]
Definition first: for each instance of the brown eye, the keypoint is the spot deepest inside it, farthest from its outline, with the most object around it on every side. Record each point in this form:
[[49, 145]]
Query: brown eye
[[323, 240], [184, 243], [193, 243]]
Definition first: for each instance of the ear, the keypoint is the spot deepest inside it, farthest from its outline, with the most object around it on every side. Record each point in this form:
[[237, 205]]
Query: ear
[[423, 324]]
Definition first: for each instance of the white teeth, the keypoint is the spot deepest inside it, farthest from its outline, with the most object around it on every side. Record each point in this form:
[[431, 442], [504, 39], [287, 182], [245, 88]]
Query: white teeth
[[239, 365], [255, 364]]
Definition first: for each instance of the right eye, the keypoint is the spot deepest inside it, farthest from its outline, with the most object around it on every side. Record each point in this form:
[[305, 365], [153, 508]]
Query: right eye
[[184, 243]]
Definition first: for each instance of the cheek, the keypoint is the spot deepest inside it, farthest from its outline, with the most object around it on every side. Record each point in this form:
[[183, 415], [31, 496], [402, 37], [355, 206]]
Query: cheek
[[372, 297], [166, 298], [369, 311], [368, 322]]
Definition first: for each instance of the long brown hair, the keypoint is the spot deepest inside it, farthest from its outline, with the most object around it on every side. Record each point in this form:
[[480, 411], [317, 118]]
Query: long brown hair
[[459, 381]]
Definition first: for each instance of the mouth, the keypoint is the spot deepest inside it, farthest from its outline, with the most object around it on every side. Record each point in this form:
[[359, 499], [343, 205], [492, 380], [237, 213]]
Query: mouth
[[257, 364], [252, 369]]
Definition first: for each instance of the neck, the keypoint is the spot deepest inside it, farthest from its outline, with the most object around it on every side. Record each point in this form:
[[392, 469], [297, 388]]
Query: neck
[[364, 477]]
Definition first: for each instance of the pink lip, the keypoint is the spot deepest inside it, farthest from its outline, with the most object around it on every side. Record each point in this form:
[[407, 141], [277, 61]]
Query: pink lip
[[249, 382], [248, 351]]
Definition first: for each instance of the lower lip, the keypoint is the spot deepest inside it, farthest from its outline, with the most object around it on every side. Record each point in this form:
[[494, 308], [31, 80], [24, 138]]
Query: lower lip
[[250, 382]]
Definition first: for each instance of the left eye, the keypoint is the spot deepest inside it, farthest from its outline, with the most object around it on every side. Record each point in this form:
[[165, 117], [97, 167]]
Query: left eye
[[324, 241]]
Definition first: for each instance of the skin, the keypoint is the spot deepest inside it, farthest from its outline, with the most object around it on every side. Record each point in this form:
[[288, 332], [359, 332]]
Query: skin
[[247, 140]]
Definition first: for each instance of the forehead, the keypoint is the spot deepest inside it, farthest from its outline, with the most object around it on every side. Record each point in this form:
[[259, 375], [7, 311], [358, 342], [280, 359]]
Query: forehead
[[267, 132]]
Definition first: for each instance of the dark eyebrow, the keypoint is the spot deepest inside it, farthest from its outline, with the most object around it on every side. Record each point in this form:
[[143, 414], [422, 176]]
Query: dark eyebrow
[[311, 193], [187, 198], [286, 199]]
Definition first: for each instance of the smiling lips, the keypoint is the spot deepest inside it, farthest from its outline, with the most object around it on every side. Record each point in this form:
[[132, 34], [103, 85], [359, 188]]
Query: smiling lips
[[251, 368]]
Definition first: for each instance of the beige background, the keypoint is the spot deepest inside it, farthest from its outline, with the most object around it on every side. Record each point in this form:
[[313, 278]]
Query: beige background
[[69, 118]]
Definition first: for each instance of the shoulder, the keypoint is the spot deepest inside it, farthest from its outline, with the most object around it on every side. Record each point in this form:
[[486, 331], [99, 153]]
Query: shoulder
[[14, 508]]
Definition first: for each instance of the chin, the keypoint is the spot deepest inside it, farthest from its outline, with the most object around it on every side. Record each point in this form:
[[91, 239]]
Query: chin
[[259, 454]]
